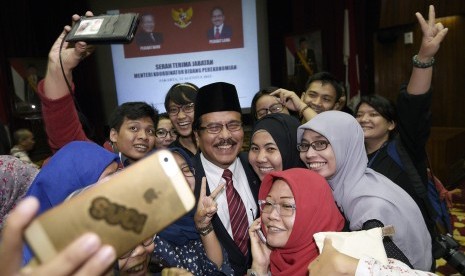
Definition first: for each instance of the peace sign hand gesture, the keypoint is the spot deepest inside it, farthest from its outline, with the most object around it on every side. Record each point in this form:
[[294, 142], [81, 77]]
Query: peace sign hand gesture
[[207, 206], [433, 35]]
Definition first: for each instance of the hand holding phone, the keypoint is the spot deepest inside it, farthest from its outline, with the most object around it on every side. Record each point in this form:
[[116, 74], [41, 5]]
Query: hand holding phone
[[255, 227], [261, 235], [131, 206]]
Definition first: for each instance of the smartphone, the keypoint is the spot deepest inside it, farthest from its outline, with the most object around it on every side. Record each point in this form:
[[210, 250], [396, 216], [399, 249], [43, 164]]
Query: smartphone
[[105, 29], [261, 235], [131, 206]]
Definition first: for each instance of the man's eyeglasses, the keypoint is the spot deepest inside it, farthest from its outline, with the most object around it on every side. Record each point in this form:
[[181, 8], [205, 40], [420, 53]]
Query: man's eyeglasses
[[283, 209], [316, 145], [187, 171], [275, 108], [148, 242], [162, 133], [187, 108], [215, 128]]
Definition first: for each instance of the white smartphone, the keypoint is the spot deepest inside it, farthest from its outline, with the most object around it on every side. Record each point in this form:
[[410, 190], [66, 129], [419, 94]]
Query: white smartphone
[[261, 235], [131, 206]]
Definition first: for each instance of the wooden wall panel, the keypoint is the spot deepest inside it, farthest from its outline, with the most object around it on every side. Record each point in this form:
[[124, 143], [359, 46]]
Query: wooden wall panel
[[401, 12], [392, 63], [395, 13], [449, 101], [445, 148]]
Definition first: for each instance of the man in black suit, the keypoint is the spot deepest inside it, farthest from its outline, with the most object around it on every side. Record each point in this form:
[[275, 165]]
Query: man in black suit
[[219, 30], [147, 36], [305, 63], [219, 133]]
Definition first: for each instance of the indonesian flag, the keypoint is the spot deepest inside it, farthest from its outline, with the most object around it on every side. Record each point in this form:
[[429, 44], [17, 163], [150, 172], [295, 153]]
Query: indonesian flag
[[352, 78]]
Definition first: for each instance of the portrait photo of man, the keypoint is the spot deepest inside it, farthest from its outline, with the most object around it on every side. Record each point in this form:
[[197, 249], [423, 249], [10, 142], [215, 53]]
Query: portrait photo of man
[[219, 29], [146, 37]]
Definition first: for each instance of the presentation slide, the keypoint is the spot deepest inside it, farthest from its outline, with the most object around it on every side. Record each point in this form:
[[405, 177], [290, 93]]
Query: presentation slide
[[199, 42]]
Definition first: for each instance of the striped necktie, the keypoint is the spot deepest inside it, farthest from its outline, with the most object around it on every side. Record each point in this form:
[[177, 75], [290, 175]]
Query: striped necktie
[[237, 214]]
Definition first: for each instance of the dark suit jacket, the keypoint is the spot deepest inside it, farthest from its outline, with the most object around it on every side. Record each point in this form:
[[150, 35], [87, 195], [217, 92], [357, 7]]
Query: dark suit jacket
[[238, 261], [144, 39], [225, 33]]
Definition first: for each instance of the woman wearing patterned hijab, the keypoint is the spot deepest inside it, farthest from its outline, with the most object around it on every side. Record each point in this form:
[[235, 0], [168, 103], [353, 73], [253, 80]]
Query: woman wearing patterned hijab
[[15, 178], [332, 144]]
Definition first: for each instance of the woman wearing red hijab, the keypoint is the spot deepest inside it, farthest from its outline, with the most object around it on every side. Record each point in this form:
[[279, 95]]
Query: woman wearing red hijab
[[294, 204]]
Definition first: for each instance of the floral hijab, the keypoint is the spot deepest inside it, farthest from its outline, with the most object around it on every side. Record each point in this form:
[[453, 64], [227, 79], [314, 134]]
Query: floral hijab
[[15, 178]]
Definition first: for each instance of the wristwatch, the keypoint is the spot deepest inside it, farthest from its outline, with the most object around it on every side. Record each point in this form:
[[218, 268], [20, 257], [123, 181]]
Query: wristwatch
[[205, 230]]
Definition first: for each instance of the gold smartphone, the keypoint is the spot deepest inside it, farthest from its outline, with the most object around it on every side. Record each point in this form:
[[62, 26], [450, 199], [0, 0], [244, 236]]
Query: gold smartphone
[[131, 206]]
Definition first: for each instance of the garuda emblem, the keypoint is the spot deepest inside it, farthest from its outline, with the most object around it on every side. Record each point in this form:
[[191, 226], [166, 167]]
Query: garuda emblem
[[182, 18]]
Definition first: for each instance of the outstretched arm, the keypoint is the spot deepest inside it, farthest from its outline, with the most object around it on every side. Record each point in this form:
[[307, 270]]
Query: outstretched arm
[[433, 35], [55, 85], [61, 118]]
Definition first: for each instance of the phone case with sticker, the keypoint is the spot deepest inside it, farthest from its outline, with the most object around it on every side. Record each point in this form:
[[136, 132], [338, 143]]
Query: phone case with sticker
[[131, 206], [105, 29]]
